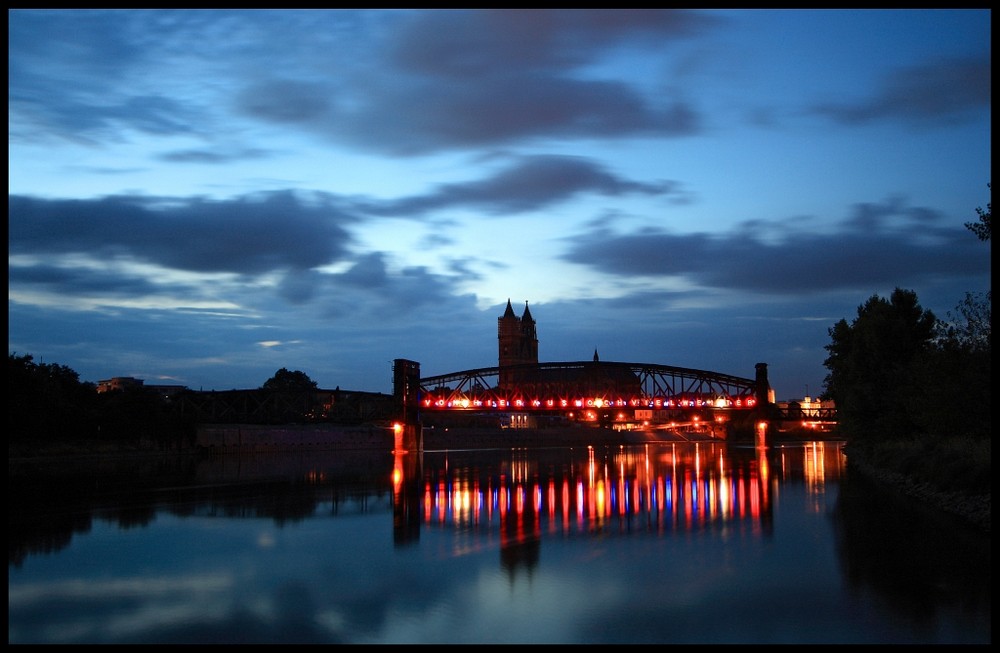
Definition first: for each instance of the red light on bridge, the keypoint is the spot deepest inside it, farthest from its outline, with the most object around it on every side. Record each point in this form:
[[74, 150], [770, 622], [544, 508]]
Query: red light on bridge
[[461, 401]]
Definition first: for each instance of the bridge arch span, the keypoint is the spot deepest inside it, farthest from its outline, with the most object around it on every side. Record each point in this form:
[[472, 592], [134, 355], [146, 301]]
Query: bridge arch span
[[562, 386]]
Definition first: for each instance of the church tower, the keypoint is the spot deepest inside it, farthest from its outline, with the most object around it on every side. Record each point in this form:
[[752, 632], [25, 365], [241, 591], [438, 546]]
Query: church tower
[[517, 337]]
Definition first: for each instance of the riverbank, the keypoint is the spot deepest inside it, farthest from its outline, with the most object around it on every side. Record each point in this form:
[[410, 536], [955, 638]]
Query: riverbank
[[974, 509]]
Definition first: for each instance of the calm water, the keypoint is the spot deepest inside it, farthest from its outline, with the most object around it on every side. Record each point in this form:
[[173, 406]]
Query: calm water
[[658, 543]]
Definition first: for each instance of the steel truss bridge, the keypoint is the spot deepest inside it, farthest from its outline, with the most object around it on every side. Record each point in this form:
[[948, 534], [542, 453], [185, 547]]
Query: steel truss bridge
[[569, 386]]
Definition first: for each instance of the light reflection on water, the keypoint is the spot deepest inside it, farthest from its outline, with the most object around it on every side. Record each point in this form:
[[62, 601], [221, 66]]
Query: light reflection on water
[[658, 488], [656, 543]]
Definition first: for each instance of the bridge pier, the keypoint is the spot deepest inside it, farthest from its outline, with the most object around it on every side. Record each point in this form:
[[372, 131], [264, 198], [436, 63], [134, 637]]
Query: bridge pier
[[407, 432], [762, 436]]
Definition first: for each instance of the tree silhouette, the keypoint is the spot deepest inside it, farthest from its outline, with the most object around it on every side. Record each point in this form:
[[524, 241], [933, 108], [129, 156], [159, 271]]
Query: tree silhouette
[[284, 379], [46, 401], [982, 228], [899, 373], [871, 364]]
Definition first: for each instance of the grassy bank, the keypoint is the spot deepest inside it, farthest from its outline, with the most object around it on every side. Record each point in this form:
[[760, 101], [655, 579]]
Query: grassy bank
[[950, 473]]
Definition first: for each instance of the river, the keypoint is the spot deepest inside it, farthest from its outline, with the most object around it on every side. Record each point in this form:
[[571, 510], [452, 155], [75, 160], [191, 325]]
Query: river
[[691, 543]]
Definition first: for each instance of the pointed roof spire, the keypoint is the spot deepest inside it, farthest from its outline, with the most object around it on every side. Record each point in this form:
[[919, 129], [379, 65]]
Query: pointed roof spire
[[596, 359], [527, 313], [510, 310]]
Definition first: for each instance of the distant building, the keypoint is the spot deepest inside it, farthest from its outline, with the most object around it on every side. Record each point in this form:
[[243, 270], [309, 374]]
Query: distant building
[[124, 382], [808, 414], [118, 383], [808, 407]]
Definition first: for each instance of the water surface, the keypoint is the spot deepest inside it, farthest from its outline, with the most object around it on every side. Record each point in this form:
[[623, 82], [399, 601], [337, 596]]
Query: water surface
[[657, 543]]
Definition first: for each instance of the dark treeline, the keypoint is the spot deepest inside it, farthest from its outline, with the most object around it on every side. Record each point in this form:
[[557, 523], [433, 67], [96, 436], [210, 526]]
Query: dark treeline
[[52, 411], [49, 406], [913, 391]]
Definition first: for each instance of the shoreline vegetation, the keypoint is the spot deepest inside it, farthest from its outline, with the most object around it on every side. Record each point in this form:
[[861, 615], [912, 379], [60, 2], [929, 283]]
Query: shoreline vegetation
[[952, 475], [972, 508]]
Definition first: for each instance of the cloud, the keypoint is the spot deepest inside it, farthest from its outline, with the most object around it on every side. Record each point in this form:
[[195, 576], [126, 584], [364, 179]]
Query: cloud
[[461, 79], [286, 101], [471, 43], [214, 156], [248, 235], [530, 183], [940, 92], [877, 245]]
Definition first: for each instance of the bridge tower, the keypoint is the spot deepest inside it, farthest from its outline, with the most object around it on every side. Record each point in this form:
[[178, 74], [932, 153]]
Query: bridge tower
[[763, 428], [518, 342]]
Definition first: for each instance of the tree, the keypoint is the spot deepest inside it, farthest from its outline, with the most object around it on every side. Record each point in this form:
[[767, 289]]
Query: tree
[[955, 395], [47, 401], [871, 364], [284, 379], [969, 328], [982, 228], [899, 372]]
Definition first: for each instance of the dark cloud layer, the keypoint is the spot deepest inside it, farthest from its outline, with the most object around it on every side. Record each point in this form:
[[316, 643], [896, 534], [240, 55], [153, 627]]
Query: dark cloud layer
[[276, 232], [531, 183], [248, 235], [471, 43], [871, 249], [925, 94]]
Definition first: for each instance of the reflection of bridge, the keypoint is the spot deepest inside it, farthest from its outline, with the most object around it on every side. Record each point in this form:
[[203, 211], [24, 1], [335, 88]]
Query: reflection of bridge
[[654, 489]]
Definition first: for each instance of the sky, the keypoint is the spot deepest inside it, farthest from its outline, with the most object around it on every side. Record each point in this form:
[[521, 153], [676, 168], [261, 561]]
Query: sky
[[203, 197]]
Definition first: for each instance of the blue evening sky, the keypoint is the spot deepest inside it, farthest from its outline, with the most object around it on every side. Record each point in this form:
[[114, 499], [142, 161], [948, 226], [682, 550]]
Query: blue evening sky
[[201, 197]]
